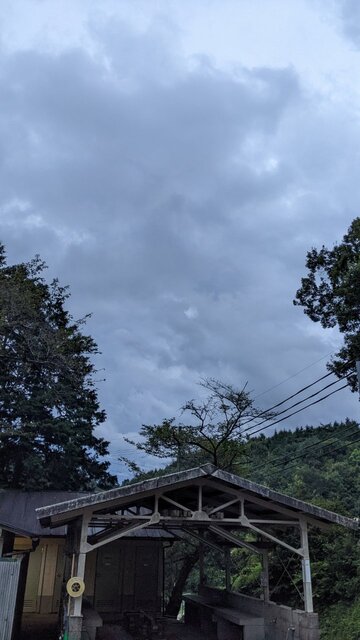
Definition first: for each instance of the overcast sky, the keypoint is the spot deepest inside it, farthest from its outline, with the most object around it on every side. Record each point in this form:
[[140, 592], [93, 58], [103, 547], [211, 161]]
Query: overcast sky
[[173, 161]]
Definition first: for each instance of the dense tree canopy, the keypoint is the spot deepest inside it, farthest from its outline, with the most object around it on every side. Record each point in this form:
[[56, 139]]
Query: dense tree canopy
[[48, 403], [330, 294], [320, 465]]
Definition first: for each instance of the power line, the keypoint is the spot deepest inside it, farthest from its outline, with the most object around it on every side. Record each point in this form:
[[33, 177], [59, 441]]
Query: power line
[[113, 455], [283, 460], [299, 410], [293, 375], [343, 446], [296, 403]]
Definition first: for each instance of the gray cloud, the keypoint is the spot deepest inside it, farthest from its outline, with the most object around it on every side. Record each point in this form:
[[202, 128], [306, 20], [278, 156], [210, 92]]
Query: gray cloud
[[350, 13], [178, 201]]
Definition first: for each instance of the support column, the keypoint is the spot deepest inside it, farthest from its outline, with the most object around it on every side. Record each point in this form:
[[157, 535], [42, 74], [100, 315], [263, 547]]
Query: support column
[[227, 569], [306, 568], [265, 576], [78, 570], [201, 565]]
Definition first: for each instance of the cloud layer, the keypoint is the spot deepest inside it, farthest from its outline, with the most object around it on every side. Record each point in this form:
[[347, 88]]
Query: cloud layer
[[178, 199]]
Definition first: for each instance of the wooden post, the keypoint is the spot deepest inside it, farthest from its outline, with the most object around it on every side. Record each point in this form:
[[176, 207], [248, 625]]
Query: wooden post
[[265, 576], [227, 569], [78, 570], [200, 498], [201, 565], [306, 568]]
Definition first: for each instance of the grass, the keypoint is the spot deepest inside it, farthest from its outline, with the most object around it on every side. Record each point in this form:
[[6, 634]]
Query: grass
[[341, 622]]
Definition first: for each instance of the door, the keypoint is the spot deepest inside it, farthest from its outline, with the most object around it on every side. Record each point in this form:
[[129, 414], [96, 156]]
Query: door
[[31, 599], [147, 578], [108, 578], [59, 577]]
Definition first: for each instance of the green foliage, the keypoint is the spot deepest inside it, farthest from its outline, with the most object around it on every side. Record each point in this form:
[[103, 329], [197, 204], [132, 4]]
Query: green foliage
[[326, 475], [323, 474], [341, 621], [330, 294], [211, 434], [48, 403], [246, 570], [297, 463]]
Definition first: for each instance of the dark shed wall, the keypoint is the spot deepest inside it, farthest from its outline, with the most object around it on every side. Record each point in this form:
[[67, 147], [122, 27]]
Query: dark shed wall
[[125, 576]]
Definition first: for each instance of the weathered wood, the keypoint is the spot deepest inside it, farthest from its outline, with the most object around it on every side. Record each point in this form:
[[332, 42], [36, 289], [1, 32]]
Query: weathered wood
[[196, 479], [306, 568]]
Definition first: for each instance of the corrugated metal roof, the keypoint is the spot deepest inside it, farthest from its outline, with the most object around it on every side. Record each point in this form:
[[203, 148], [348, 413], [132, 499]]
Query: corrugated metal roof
[[108, 501], [17, 514], [17, 510]]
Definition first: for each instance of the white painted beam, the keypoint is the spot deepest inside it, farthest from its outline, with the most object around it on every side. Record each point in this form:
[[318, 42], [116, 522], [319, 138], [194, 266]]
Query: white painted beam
[[306, 567]]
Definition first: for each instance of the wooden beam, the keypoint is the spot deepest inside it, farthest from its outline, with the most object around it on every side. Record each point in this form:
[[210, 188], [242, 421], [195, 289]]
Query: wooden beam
[[224, 506], [272, 506], [274, 539], [203, 540], [162, 496], [306, 568], [227, 569], [119, 533], [233, 539], [265, 576]]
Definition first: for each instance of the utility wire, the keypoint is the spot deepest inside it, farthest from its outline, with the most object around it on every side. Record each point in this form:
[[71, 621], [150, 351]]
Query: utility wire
[[296, 403], [285, 411], [288, 398], [283, 460], [343, 446], [293, 375], [299, 410]]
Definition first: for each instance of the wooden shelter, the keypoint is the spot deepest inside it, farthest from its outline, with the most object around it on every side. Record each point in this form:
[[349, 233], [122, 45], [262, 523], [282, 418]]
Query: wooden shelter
[[215, 508]]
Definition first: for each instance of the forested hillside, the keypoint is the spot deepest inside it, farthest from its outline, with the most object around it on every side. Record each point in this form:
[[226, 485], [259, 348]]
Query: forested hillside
[[319, 465]]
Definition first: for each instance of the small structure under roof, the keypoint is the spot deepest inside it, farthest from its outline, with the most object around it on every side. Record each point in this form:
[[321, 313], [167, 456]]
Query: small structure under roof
[[207, 504]]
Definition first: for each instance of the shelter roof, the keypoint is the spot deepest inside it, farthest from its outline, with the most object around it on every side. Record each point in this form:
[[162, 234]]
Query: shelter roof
[[17, 510], [182, 489], [18, 513]]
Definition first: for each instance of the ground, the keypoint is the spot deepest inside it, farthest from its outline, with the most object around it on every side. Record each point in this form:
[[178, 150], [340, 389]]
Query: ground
[[44, 627], [39, 626]]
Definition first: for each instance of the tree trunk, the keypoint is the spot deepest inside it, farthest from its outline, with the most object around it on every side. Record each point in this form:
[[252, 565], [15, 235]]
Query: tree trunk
[[173, 606]]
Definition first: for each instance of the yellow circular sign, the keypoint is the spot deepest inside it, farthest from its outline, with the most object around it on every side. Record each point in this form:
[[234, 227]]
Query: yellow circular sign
[[75, 587]]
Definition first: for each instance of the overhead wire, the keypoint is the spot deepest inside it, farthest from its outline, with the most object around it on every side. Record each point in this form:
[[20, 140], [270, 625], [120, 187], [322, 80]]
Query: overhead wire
[[273, 423], [282, 402], [293, 375], [299, 410], [342, 446], [285, 459], [313, 395]]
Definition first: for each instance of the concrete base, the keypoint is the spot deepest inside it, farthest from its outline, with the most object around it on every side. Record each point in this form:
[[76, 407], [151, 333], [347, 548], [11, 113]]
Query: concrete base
[[92, 621], [228, 631], [75, 627], [278, 619]]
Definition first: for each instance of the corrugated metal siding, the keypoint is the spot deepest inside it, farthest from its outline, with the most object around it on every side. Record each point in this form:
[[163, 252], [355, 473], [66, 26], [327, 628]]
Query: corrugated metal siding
[[9, 580]]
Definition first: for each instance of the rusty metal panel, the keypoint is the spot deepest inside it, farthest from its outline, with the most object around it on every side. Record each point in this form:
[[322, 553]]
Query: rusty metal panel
[[9, 581]]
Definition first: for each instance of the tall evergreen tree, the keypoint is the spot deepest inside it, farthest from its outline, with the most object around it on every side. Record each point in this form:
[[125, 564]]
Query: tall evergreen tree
[[48, 402], [330, 294]]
